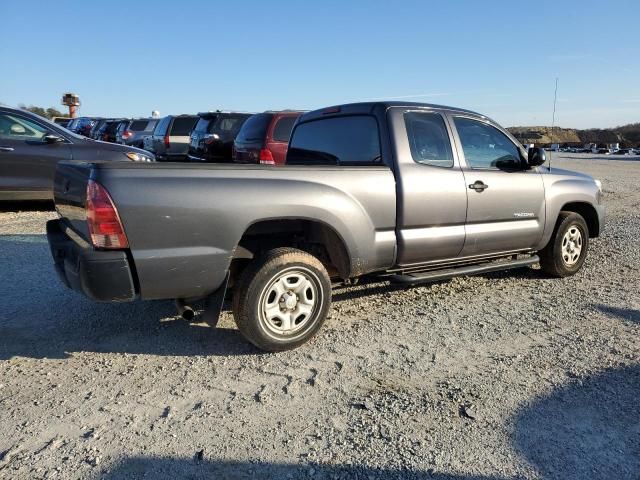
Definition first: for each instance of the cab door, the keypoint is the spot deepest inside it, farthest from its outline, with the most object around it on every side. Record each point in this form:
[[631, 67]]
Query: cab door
[[506, 202], [431, 191]]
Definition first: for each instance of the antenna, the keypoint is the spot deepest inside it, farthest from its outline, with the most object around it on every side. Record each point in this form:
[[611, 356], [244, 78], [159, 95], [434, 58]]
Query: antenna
[[553, 121]]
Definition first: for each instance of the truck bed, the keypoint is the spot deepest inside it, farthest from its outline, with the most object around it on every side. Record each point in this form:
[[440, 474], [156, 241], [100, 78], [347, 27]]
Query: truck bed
[[185, 221]]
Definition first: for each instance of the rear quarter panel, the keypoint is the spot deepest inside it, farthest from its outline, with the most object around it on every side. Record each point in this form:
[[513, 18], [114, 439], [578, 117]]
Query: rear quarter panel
[[184, 223]]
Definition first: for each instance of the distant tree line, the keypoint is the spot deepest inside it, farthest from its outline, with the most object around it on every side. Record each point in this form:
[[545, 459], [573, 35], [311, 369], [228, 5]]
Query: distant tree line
[[47, 113]]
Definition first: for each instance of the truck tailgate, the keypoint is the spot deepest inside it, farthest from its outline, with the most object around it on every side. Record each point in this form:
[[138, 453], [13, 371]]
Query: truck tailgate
[[70, 195]]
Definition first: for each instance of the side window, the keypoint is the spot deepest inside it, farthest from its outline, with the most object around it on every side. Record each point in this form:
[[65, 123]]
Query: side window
[[13, 127], [282, 130], [349, 140], [428, 139], [485, 146]]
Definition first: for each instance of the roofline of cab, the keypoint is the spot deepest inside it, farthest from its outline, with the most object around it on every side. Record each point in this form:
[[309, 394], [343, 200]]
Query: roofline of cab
[[369, 108]]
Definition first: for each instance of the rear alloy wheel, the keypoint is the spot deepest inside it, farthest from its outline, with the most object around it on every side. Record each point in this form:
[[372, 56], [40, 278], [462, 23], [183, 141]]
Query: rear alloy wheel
[[282, 299], [566, 251]]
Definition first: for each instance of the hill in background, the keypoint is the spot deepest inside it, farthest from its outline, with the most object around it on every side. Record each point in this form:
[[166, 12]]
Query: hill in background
[[627, 135]]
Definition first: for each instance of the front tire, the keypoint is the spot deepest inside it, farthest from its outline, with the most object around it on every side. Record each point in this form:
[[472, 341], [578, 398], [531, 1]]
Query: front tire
[[282, 299], [566, 251]]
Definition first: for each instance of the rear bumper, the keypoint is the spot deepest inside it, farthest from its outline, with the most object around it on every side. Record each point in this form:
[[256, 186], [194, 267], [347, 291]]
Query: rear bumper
[[101, 275]]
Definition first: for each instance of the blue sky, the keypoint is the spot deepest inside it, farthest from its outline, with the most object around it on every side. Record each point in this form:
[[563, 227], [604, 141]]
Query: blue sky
[[497, 57]]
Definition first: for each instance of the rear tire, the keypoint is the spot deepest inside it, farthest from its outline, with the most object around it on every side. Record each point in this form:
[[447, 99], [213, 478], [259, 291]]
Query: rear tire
[[282, 299], [566, 251]]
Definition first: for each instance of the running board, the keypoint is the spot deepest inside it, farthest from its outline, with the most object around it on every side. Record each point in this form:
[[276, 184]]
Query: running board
[[446, 274]]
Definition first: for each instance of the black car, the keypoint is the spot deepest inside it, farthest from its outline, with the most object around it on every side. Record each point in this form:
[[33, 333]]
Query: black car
[[212, 138], [110, 129], [31, 147], [82, 125], [98, 128], [133, 131]]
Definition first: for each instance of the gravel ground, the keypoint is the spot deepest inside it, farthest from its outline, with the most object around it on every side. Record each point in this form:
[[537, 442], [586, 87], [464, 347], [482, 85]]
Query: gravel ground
[[502, 376]]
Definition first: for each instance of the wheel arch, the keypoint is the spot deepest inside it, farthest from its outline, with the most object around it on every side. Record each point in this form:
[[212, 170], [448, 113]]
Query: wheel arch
[[311, 235], [586, 211]]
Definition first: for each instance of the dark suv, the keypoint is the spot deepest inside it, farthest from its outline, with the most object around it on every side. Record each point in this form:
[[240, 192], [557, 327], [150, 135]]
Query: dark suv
[[132, 132], [170, 139], [32, 146], [264, 138], [212, 137]]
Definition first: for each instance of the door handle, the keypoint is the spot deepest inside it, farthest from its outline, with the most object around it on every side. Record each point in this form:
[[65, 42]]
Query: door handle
[[478, 186], [6, 149]]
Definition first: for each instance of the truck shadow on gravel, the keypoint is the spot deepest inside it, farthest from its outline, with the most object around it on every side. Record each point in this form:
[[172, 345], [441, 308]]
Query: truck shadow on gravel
[[589, 428], [40, 318], [163, 468], [627, 314], [586, 429]]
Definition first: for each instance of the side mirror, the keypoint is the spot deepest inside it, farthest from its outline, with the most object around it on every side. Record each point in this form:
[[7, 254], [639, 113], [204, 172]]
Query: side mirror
[[536, 157], [51, 138]]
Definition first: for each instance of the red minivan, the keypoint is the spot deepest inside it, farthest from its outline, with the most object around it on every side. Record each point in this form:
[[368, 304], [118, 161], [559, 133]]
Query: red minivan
[[264, 138]]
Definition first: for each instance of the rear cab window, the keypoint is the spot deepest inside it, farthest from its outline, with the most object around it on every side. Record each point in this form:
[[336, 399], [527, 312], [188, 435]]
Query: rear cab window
[[346, 141]]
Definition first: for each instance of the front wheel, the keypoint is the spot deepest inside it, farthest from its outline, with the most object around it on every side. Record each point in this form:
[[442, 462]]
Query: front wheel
[[282, 299], [567, 249]]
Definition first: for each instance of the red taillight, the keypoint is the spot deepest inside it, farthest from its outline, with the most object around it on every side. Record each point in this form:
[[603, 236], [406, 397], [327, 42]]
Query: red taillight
[[266, 157], [102, 217], [166, 141], [127, 134]]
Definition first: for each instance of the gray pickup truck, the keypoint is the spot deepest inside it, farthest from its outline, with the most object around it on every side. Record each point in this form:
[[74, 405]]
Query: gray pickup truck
[[410, 193]]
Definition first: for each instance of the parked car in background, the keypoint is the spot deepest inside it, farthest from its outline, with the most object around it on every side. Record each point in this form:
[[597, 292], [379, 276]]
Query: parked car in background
[[31, 147], [132, 132], [624, 151], [170, 139], [211, 139], [603, 151], [62, 121], [82, 125], [109, 130], [147, 142], [410, 193], [264, 138], [98, 128]]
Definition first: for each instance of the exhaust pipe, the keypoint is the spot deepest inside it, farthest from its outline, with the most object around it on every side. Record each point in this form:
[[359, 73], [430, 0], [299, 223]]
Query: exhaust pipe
[[184, 310]]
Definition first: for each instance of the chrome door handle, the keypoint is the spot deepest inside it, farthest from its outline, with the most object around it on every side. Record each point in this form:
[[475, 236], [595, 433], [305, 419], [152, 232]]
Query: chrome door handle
[[478, 186], [6, 149]]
